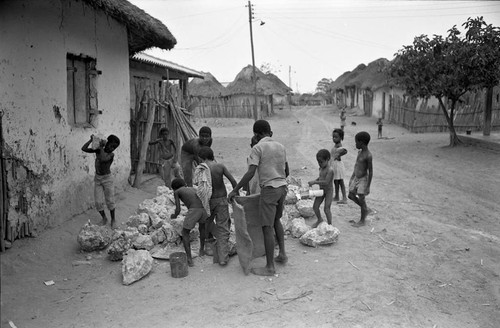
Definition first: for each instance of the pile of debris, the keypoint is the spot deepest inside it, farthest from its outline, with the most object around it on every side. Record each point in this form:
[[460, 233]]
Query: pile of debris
[[151, 233]]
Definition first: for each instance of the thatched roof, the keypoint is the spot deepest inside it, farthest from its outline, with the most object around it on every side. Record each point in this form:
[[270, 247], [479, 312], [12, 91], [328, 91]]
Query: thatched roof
[[365, 77], [266, 83], [206, 87], [143, 30]]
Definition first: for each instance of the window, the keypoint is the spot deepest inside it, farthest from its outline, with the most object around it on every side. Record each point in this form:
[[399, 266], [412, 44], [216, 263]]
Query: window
[[82, 89]]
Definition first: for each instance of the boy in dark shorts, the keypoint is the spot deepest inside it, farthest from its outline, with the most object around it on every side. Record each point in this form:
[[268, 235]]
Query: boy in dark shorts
[[104, 189], [361, 179], [268, 158], [196, 214], [219, 206]]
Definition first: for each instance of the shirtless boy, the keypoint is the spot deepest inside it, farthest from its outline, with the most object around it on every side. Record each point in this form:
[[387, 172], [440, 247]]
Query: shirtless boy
[[361, 179], [104, 189], [168, 156], [196, 214], [325, 182], [219, 206]]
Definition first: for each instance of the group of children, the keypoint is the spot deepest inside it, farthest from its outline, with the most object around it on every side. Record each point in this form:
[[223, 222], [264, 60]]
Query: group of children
[[332, 172], [208, 204]]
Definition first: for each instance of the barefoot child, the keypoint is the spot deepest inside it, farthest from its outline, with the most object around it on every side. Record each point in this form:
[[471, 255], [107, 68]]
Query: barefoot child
[[168, 156], [196, 214], [359, 185], [337, 165], [268, 158], [219, 206], [325, 183], [104, 190], [380, 124], [189, 153]]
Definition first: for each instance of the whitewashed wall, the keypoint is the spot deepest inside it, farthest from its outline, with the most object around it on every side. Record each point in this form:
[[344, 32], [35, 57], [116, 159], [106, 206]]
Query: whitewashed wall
[[36, 36]]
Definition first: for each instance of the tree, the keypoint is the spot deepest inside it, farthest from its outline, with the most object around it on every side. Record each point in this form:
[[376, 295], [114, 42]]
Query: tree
[[325, 86], [447, 68]]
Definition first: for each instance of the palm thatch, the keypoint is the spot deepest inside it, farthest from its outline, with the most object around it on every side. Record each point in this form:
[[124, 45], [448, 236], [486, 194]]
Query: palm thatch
[[266, 85], [373, 76], [206, 87], [144, 31]]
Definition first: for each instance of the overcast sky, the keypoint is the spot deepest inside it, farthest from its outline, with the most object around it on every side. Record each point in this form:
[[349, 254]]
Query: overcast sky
[[303, 41]]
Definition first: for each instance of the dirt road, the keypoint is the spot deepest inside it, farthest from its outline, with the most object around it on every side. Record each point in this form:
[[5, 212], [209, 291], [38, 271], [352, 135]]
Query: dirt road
[[429, 256]]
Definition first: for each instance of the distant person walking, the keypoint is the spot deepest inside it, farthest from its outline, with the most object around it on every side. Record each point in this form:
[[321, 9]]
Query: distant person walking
[[342, 118], [380, 124]]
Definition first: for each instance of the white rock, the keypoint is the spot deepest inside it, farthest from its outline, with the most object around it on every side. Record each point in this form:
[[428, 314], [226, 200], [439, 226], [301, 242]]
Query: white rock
[[138, 219], [286, 222], [305, 208], [299, 227], [324, 234], [136, 265], [143, 242], [93, 237]]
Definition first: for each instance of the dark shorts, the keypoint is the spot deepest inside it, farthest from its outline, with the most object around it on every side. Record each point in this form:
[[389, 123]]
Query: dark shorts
[[193, 216], [271, 204]]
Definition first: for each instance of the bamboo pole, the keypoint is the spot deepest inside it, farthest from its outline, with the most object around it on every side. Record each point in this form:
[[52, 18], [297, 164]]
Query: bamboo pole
[[144, 145]]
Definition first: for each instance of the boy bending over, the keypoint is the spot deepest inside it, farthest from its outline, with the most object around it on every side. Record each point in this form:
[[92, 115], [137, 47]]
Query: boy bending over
[[196, 214]]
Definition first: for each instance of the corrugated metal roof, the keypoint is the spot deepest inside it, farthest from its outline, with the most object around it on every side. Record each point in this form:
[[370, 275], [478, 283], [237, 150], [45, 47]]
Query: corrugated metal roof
[[148, 59]]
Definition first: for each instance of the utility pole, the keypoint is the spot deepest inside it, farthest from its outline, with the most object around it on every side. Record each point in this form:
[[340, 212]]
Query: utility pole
[[254, 75]]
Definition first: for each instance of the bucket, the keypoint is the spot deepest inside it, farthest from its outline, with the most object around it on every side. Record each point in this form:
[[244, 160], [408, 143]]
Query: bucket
[[178, 264]]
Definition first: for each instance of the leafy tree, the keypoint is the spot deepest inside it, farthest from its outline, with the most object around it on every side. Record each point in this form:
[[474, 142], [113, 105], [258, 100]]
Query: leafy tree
[[447, 68], [325, 86]]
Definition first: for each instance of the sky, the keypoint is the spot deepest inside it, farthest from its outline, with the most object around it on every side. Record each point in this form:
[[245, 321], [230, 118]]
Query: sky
[[302, 41]]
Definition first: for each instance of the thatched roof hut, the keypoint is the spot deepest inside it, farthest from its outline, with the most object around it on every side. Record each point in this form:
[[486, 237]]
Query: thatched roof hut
[[206, 87], [372, 77], [266, 83], [143, 30]]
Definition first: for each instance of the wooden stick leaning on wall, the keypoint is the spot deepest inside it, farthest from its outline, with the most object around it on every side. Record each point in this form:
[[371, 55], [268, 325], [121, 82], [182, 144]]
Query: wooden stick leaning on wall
[[144, 144]]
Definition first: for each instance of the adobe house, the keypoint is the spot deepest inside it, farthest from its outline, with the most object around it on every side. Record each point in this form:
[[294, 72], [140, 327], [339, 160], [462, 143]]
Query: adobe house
[[64, 76]]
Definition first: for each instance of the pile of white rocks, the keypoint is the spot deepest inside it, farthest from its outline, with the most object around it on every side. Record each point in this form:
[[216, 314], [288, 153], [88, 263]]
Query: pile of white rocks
[[151, 226]]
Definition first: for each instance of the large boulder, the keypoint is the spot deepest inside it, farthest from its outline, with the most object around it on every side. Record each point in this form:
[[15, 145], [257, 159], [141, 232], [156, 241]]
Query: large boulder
[[93, 237], [136, 265], [324, 234]]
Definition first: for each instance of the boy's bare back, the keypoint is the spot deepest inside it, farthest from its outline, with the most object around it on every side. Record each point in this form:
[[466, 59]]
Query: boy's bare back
[[218, 171], [188, 196]]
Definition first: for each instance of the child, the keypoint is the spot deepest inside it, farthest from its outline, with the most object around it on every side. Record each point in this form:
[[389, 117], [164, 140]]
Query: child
[[361, 179], [325, 183], [104, 191], [342, 118], [268, 158], [337, 165], [253, 184], [219, 206], [196, 214], [189, 153], [168, 157], [380, 124]]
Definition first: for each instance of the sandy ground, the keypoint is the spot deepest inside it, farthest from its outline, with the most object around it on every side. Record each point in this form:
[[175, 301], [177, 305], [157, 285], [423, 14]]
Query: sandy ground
[[429, 256]]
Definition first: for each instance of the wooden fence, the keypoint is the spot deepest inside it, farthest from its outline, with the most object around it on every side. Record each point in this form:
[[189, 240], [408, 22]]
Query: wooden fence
[[421, 117], [239, 107], [167, 112]]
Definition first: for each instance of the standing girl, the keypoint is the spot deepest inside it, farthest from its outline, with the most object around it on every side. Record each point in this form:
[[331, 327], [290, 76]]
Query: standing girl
[[337, 165]]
